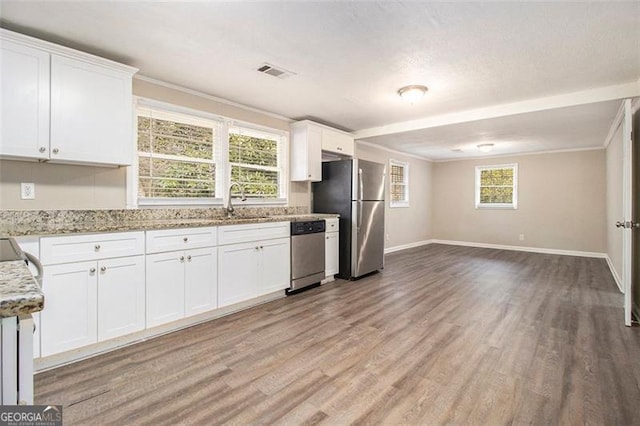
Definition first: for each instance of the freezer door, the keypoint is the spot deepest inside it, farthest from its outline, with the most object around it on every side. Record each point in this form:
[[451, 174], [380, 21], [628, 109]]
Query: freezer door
[[367, 237], [368, 180]]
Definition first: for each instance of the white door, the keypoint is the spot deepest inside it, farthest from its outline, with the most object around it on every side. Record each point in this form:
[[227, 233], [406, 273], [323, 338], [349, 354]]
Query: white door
[[238, 273], [275, 269], [627, 222], [24, 111], [69, 318], [165, 287], [120, 296], [331, 254], [201, 281], [91, 113]]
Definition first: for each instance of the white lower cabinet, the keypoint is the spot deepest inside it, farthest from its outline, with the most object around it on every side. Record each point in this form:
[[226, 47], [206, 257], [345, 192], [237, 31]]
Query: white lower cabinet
[[69, 319], [275, 273], [201, 281], [239, 272], [253, 260], [180, 283], [331, 250], [87, 302], [120, 296]]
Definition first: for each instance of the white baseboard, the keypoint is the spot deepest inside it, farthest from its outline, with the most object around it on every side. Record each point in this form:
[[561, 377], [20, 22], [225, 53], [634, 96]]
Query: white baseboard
[[407, 246], [524, 248], [614, 273]]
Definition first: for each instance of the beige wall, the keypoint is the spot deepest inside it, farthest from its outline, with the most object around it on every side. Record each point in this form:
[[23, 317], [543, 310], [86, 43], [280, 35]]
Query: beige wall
[[561, 203], [614, 201], [84, 187], [405, 225]]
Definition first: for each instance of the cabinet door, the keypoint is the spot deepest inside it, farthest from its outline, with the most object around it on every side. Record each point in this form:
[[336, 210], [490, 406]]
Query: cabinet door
[[165, 287], [238, 273], [25, 101], [201, 281], [275, 265], [338, 142], [69, 319], [120, 296], [306, 153], [331, 254], [91, 113]]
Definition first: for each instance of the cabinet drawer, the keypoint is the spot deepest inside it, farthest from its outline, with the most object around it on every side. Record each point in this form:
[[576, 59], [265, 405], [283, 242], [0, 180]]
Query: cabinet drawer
[[77, 248], [332, 224], [233, 234], [180, 239]]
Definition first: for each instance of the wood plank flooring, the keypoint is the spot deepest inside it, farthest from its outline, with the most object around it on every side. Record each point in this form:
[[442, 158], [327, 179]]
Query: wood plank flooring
[[445, 335]]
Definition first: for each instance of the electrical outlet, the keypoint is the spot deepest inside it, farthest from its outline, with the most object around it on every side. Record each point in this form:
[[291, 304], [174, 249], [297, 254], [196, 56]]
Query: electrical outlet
[[27, 191], [521, 237]]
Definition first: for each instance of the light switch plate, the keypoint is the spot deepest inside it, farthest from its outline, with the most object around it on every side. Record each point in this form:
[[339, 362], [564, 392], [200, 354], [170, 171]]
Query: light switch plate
[[28, 191]]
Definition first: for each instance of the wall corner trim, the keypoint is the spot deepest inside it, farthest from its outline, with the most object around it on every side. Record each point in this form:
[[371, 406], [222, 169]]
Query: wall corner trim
[[614, 273], [407, 246]]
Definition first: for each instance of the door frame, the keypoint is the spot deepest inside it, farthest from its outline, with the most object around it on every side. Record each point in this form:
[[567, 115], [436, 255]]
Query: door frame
[[627, 209]]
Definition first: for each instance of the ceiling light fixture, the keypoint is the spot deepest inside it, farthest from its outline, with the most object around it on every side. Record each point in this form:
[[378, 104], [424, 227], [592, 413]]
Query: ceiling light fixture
[[412, 93], [485, 147]]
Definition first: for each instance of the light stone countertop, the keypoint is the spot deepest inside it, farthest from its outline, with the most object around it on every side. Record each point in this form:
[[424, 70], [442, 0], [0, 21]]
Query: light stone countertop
[[20, 293], [56, 228]]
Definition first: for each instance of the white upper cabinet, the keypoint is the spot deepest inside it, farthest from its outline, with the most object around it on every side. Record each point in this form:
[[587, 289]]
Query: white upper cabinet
[[337, 142], [24, 120], [91, 113], [306, 152], [62, 105], [308, 141]]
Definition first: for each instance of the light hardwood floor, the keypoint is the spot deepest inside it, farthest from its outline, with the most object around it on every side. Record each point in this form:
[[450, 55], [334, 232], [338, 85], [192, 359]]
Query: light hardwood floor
[[445, 334]]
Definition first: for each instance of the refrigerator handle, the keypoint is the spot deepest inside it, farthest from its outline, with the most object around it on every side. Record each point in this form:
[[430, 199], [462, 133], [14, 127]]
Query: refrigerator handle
[[360, 185], [359, 222]]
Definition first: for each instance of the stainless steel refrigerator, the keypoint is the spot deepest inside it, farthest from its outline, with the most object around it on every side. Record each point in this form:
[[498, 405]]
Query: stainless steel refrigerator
[[355, 190]]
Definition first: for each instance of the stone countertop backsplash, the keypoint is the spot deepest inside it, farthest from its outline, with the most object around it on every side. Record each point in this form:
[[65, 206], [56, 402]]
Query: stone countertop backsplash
[[20, 293], [15, 223]]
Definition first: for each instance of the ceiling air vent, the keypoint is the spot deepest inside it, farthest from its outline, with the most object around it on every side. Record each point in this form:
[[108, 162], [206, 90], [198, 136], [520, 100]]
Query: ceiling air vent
[[274, 71]]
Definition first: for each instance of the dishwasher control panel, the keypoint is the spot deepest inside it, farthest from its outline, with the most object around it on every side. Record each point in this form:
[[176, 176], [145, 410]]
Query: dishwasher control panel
[[307, 227]]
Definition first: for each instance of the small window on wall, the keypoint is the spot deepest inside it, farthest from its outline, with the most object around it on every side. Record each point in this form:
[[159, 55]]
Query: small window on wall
[[497, 186], [399, 184]]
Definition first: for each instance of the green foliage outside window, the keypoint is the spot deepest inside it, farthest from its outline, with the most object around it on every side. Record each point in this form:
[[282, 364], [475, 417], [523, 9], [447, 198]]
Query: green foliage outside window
[[254, 165], [496, 186]]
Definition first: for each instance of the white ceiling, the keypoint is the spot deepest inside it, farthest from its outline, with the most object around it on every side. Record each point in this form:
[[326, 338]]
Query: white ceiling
[[350, 58]]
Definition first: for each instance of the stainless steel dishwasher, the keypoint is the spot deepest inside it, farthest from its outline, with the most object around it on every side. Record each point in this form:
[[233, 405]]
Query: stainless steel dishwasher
[[307, 253]]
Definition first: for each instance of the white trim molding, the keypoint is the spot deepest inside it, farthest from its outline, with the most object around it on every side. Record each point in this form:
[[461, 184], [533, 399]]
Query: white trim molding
[[393, 249], [614, 273], [523, 248]]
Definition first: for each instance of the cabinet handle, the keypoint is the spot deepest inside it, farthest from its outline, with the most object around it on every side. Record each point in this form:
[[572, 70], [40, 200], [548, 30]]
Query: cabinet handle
[[339, 148], [103, 269], [189, 258], [327, 238], [55, 150], [185, 239], [309, 176], [42, 149], [261, 247], [181, 258], [92, 270], [257, 248], [97, 247]]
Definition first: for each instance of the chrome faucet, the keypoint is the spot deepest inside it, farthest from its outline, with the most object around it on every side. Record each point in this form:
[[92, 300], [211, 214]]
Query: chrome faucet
[[230, 208]]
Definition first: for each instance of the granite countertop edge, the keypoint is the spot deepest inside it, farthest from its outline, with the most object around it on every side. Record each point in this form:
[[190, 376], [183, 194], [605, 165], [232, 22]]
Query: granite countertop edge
[[52, 229], [20, 293]]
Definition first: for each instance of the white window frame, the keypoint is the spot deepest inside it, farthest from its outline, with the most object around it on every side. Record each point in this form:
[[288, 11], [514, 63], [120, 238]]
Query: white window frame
[[507, 206], [405, 201], [221, 148]]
